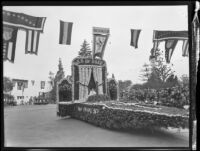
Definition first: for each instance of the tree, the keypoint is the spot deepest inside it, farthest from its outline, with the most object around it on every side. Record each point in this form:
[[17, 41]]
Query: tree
[[59, 75], [85, 50], [184, 80], [154, 82], [124, 85], [157, 73], [146, 72], [172, 81], [162, 69], [7, 84], [51, 78]]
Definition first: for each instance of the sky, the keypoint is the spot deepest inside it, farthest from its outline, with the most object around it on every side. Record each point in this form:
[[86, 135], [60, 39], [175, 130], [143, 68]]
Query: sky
[[123, 60]]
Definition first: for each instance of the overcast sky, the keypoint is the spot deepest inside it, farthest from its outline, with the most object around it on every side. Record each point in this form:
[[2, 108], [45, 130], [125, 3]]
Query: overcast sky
[[122, 59]]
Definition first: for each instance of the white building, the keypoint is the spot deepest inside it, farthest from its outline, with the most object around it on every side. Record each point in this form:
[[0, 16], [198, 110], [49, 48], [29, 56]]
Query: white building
[[23, 90]]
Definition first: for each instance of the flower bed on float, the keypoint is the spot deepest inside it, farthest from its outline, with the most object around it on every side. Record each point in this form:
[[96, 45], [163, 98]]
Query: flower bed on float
[[119, 115]]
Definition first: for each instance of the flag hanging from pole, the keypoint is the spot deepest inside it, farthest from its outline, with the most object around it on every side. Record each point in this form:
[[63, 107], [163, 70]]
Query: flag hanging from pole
[[134, 37], [170, 38], [9, 42], [24, 21], [165, 35], [32, 25], [170, 45], [100, 36], [185, 48], [65, 32]]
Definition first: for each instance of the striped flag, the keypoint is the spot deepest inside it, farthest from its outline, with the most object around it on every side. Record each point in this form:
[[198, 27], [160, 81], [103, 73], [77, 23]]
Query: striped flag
[[170, 45], [185, 48], [33, 26], [9, 42], [32, 41], [134, 37], [65, 32]]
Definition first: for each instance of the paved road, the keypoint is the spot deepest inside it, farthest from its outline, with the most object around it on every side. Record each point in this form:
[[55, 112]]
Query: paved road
[[38, 126]]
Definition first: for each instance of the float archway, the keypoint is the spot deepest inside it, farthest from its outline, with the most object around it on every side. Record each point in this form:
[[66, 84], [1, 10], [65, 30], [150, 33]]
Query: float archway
[[88, 73]]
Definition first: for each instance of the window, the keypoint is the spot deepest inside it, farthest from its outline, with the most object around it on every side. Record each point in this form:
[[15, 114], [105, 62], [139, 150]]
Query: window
[[33, 82], [26, 84], [20, 97], [19, 85]]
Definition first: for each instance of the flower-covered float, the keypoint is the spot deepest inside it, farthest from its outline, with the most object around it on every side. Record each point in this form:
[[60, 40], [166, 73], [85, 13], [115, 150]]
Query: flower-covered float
[[104, 108], [90, 96]]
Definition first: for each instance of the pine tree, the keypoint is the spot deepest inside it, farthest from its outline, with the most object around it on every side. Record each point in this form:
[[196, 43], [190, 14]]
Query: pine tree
[[146, 72], [51, 78], [85, 50], [161, 69]]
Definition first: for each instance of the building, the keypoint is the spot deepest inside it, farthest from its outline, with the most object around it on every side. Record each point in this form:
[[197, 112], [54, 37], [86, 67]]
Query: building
[[23, 90]]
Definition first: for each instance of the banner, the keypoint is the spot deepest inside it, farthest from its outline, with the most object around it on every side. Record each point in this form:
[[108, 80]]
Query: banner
[[170, 38], [100, 38], [169, 48], [21, 20], [9, 42], [185, 48], [164, 35], [134, 37], [33, 27], [65, 32]]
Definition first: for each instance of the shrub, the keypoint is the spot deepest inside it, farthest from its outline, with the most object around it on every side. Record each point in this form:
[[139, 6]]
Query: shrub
[[98, 98], [10, 103], [173, 97]]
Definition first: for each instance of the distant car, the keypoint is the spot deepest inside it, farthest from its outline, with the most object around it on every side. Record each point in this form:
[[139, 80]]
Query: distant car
[[40, 101]]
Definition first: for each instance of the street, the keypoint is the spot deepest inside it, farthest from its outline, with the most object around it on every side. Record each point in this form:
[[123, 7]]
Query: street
[[38, 126]]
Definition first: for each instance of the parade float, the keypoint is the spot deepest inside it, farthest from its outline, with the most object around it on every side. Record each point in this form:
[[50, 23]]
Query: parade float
[[90, 73]]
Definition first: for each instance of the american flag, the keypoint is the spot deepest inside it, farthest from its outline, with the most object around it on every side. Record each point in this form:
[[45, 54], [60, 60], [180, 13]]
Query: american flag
[[32, 25], [9, 42], [25, 21]]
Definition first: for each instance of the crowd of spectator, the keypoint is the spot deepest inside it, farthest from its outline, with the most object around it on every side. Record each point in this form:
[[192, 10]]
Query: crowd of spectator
[[174, 96]]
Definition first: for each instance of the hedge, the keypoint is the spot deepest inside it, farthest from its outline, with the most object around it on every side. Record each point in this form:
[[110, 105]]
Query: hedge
[[122, 116], [98, 98]]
